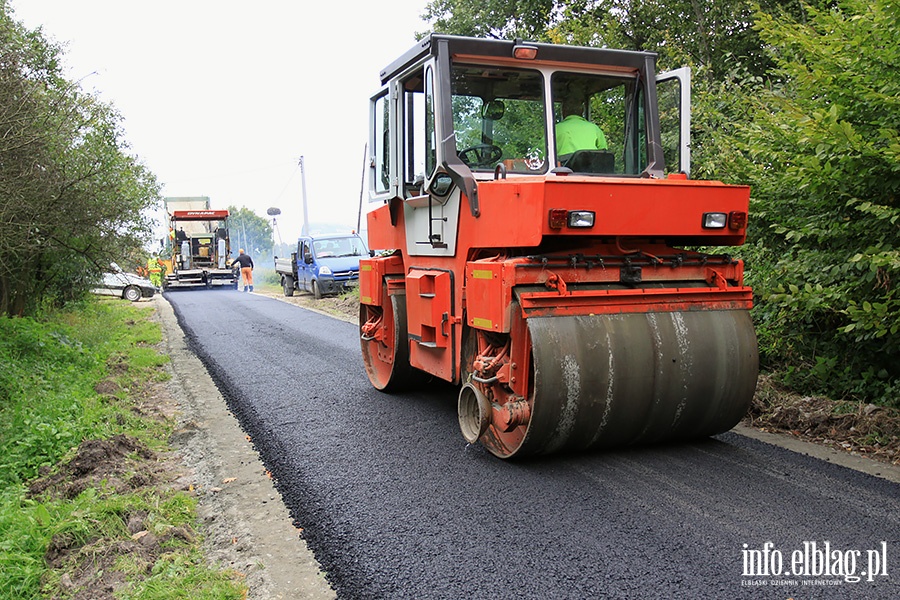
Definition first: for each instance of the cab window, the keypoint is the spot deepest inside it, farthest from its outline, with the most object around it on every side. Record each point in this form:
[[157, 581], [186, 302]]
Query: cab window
[[381, 144], [498, 118], [598, 123], [418, 131]]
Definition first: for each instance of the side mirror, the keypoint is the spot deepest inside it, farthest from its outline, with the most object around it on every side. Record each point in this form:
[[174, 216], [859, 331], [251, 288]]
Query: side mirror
[[441, 185], [308, 259]]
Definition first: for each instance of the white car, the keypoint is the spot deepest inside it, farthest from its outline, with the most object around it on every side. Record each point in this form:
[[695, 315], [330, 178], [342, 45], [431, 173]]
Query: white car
[[125, 285]]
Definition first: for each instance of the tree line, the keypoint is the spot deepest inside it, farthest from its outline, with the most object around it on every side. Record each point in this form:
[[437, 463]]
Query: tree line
[[800, 101], [72, 198]]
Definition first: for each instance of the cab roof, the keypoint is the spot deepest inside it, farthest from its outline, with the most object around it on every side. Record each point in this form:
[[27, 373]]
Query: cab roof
[[469, 46]]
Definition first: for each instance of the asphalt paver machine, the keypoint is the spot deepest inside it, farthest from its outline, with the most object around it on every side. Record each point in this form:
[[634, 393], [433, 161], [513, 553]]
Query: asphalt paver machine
[[201, 250]]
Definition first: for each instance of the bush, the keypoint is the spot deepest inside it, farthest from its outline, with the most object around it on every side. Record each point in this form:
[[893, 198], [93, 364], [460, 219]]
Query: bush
[[821, 148]]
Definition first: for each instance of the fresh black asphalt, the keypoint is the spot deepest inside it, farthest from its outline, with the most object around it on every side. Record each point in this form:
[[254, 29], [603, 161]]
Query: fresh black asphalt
[[395, 505]]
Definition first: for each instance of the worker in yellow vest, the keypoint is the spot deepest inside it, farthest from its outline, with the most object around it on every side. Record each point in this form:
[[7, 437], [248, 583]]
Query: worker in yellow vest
[[155, 270]]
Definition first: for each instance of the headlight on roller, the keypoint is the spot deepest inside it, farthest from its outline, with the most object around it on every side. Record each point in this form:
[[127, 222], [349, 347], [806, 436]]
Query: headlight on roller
[[581, 218], [323, 270], [715, 220]]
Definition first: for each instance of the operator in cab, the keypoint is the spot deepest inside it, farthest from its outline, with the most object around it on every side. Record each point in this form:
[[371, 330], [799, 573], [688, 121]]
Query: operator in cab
[[575, 132]]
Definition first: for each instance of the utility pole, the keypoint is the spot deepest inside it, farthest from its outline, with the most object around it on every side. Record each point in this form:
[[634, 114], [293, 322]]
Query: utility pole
[[304, 231], [244, 235], [362, 185]]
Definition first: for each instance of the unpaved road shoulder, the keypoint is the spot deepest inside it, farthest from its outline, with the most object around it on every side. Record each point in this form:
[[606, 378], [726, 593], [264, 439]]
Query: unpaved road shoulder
[[248, 528]]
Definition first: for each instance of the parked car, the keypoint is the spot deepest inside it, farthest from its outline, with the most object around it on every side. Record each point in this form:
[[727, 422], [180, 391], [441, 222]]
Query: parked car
[[127, 286]]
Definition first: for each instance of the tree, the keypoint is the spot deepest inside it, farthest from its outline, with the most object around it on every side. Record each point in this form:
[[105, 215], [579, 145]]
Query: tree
[[821, 147], [505, 19], [706, 34], [71, 198], [250, 232]]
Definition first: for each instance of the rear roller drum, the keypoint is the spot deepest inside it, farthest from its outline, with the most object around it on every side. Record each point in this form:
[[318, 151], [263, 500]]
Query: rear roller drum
[[474, 412], [385, 344]]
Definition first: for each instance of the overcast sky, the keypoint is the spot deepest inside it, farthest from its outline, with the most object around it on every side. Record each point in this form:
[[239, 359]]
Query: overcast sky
[[221, 99]]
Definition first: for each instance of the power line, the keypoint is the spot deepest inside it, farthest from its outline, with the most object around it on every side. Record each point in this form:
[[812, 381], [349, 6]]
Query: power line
[[290, 179]]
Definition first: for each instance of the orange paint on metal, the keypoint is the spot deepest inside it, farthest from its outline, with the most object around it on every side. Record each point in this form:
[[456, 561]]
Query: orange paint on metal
[[493, 293], [555, 282], [430, 321], [715, 278], [589, 302], [486, 296], [372, 274]]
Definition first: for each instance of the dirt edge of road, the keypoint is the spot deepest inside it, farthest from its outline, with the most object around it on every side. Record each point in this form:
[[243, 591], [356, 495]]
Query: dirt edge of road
[[246, 524]]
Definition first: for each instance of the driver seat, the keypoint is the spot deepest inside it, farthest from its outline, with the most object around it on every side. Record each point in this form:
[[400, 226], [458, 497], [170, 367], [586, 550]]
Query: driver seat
[[592, 161]]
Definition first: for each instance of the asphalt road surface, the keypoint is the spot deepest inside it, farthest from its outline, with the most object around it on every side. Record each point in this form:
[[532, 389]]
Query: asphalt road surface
[[395, 505]]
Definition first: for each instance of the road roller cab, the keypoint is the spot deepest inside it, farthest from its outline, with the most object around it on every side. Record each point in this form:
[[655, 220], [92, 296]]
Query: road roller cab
[[548, 277]]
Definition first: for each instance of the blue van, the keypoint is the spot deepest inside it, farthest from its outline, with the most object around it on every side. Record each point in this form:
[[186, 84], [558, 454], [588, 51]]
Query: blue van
[[322, 264]]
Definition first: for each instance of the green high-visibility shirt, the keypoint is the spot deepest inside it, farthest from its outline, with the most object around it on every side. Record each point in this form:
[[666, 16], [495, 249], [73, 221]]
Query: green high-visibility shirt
[[577, 133]]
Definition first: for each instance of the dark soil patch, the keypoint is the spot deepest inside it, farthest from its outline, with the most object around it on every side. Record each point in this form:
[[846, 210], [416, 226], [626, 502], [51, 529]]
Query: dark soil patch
[[865, 429], [107, 387], [121, 463], [94, 569], [90, 568], [117, 364]]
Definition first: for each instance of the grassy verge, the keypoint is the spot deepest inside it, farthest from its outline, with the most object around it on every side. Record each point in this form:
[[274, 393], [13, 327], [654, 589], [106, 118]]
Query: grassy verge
[[88, 507]]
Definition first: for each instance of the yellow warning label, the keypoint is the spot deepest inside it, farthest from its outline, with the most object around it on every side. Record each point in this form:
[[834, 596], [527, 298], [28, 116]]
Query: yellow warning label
[[483, 323], [365, 299], [482, 274], [365, 267]]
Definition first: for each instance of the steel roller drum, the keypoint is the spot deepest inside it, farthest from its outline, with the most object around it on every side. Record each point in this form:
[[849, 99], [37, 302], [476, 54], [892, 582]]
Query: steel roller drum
[[613, 380]]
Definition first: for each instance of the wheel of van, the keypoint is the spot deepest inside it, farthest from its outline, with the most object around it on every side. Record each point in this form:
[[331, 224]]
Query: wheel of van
[[288, 283], [315, 290], [131, 293]]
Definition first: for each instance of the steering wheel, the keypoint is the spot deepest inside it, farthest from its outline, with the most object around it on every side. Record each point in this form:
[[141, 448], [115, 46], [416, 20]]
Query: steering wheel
[[482, 155]]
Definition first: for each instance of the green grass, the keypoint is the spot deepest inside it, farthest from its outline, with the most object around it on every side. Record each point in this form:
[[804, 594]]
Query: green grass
[[71, 376], [51, 366]]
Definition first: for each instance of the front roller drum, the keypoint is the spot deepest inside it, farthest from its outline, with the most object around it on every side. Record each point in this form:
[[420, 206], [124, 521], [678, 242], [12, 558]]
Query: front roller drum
[[612, 380]]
